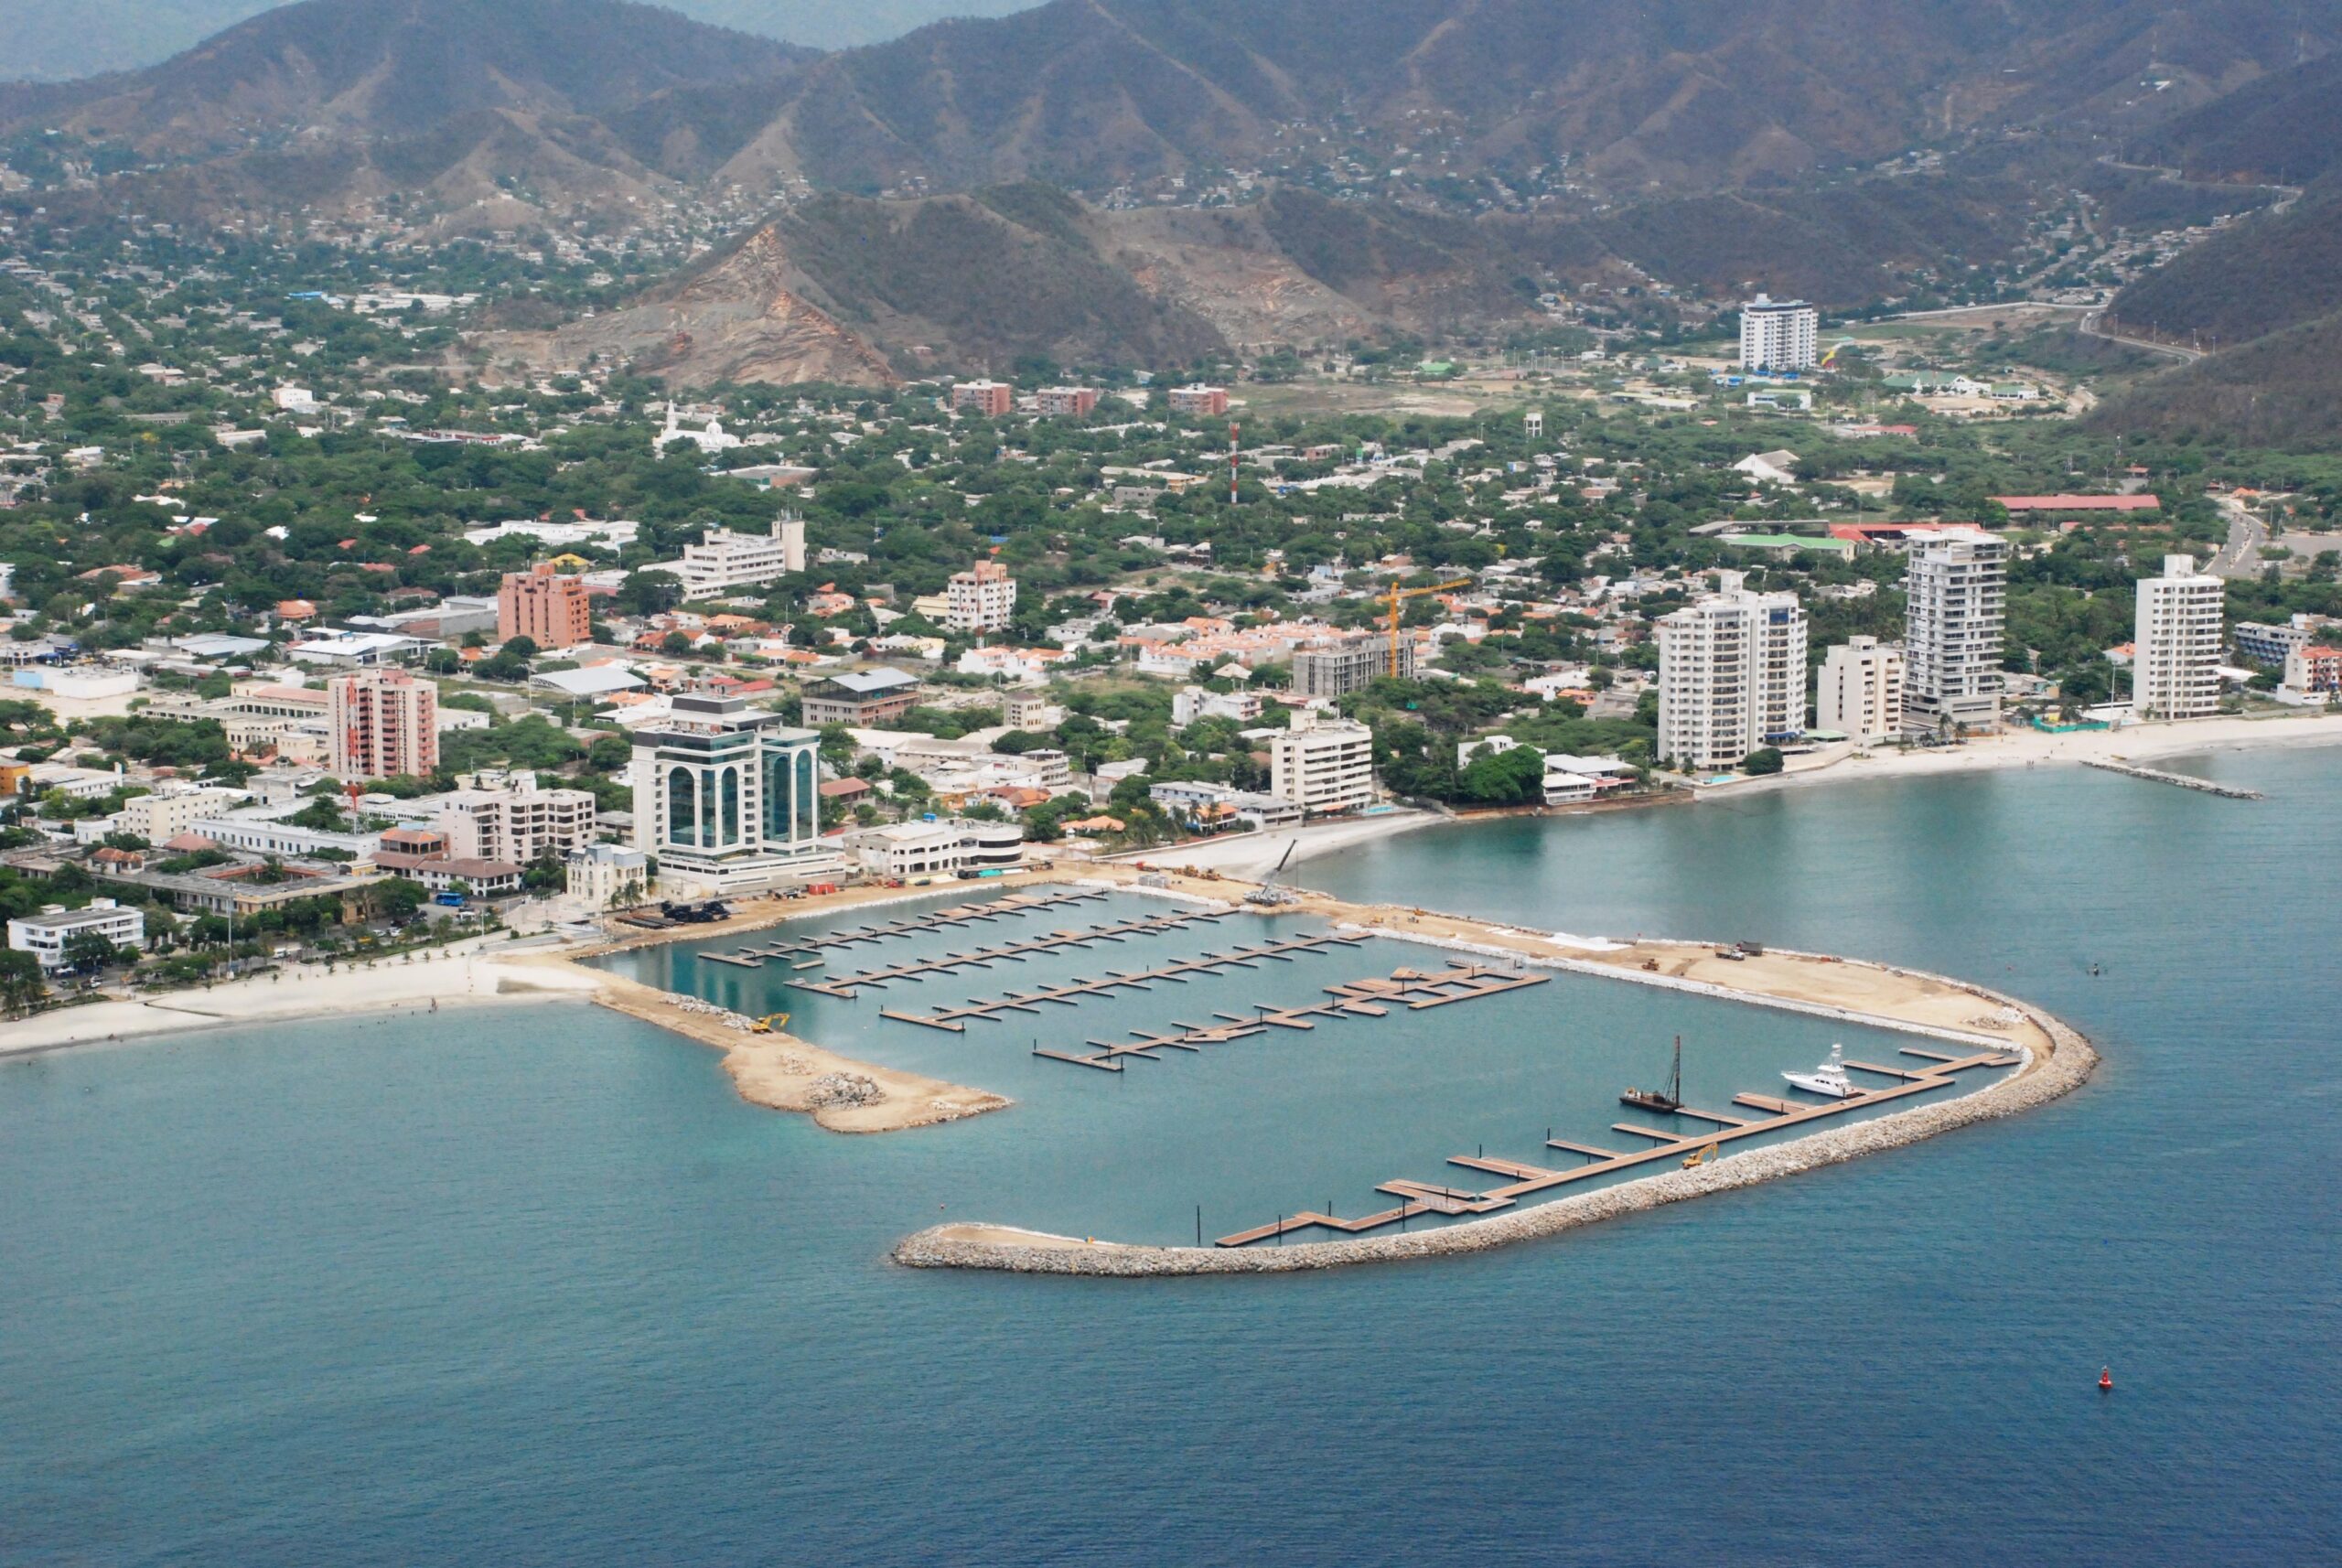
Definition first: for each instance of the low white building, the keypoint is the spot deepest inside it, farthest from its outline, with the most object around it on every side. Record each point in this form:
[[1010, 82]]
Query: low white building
[[47, 935], [1777, 468], [1192, 703], [724, 561], [947, 844], [1196, 798], [607, 875]]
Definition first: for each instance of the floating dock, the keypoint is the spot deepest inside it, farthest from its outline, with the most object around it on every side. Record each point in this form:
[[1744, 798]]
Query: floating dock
[[847, 985], [1371, 998], [1074, 990], [914, 925], [1420, 1197], [2184, 780]]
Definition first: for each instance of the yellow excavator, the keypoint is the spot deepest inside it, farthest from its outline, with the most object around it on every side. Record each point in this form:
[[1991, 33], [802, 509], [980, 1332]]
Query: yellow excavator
[[771, 1023], [1698, 1157]]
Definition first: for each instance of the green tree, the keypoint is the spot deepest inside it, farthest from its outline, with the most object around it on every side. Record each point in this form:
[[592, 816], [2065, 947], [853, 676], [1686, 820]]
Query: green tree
[[20, 981], [89, 952], [1763, 760], [398, 899]]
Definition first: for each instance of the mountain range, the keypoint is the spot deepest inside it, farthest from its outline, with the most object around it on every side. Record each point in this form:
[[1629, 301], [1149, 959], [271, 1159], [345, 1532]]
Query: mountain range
[[59, 40], [988, 187]]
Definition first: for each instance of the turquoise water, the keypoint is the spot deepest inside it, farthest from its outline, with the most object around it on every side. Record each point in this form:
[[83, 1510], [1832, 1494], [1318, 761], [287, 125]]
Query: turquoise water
[[532, 1286]]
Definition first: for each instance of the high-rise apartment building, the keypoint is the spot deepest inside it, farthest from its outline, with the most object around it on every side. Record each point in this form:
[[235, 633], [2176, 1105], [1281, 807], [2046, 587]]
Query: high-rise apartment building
[[2175, 645], [1731, 675], [1858, 691], [1323, 767], [383, 724], [510, 817], [1341, 665], [979, 599], [547, 607], [1957, 586], [727, 796], [1778, 335]]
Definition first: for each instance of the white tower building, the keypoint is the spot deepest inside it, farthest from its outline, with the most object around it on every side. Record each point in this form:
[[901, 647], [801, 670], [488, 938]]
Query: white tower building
[[1731, 675], [1778, 335], [2176, 649], [1958, 585]]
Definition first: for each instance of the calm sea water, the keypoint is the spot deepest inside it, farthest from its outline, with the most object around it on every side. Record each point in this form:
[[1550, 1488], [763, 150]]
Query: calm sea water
[[532, 1286]]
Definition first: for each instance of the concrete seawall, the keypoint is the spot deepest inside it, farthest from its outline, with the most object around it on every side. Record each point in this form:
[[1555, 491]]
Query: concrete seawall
[[2046, 1077]]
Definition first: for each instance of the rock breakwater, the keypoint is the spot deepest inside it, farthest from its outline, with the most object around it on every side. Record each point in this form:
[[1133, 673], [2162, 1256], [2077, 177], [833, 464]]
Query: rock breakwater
[[2045, 1076]]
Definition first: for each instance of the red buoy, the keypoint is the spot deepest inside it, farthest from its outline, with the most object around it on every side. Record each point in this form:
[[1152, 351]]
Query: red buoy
[[2106, 1379]]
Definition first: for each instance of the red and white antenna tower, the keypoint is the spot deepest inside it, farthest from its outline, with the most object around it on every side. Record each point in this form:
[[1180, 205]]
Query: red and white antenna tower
[[1233, 430]]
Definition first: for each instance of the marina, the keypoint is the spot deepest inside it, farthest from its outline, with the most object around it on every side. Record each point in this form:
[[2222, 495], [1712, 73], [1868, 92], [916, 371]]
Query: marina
[[1368, 998], [912, 926], [848, 985], [1075, 990], [1418, 1198]]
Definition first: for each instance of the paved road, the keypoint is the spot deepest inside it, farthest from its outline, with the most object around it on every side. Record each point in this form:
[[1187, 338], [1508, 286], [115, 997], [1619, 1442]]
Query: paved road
[[2091, 324], [2241, 556]]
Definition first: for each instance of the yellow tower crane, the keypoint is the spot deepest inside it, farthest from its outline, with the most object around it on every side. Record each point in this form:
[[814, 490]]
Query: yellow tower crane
[[1395, 594]]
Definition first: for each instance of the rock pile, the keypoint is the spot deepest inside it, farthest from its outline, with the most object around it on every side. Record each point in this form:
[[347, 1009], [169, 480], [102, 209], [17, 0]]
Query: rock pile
[[843, 1089]]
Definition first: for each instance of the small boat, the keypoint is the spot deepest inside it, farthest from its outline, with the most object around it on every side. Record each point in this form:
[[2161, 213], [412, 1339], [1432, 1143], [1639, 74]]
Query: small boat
[[1829, 1079], [1665, 1101]]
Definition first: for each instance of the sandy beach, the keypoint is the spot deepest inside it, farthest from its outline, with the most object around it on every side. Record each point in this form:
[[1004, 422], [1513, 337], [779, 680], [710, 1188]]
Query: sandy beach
[[2036, 748], [1256, 855], [468, 974]]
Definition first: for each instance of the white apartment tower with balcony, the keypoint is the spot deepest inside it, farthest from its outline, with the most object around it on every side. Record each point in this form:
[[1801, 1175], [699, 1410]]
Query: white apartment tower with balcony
[[979, 599], [1323, 765], [1731, 675], [1957, 585], [1858, 691], [1778, 335], [2175, 645]]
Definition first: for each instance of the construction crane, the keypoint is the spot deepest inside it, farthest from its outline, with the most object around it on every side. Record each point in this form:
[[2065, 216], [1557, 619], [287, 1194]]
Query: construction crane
[[1396, 594], [1268, 893]]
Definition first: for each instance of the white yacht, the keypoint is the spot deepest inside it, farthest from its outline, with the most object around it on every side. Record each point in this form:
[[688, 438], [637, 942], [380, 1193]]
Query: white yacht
[[1829, 1079]]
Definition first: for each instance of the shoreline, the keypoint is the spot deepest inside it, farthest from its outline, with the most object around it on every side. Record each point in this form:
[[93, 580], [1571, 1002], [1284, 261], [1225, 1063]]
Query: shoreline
[[2036, 748]]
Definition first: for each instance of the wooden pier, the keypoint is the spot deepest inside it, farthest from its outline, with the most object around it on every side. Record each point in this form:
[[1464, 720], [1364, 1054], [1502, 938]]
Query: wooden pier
[[847, 985], [1529, 1180], [1073, 991], [1371, 998]]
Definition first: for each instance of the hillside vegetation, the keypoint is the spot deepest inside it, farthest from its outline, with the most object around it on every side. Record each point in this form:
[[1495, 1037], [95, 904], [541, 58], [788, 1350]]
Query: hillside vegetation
[[2283, 391], [2269, 272]]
